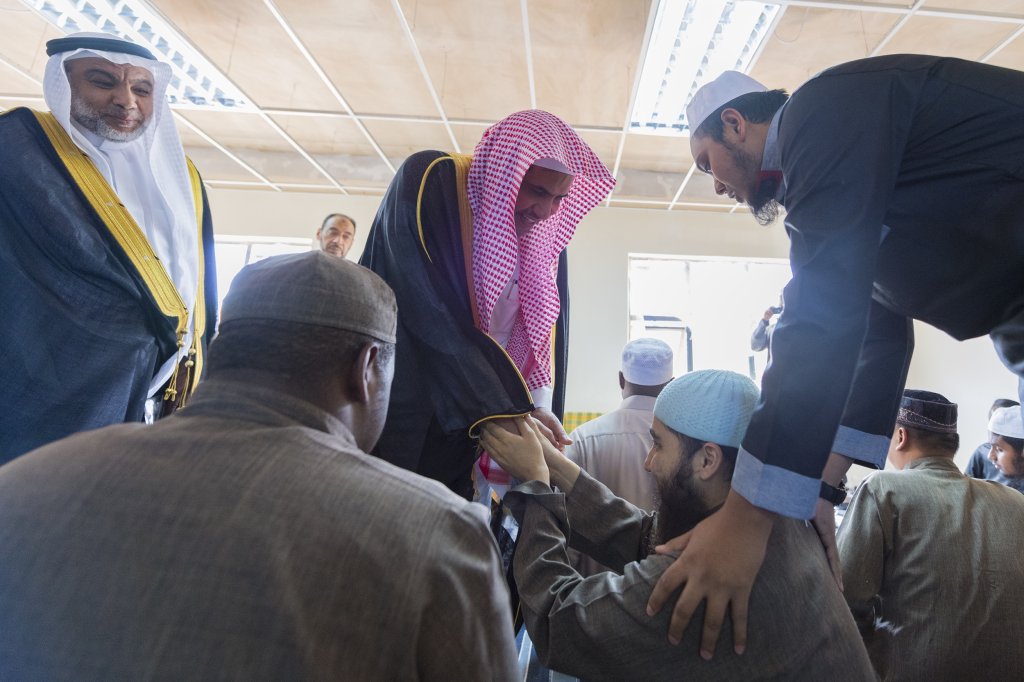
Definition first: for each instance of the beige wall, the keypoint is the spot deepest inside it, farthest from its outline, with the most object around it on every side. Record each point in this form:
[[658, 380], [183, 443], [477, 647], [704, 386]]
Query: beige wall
[[967, 373]]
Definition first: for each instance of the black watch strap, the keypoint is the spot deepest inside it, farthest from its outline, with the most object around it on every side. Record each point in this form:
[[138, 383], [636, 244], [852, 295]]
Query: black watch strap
[[832, 494]]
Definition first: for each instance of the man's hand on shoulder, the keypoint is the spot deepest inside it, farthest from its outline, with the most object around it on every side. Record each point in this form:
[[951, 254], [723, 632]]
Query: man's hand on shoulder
[[719, 560]]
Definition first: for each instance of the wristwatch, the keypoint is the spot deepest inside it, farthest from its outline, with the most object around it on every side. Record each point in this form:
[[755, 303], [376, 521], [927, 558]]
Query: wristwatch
[[833, 494]]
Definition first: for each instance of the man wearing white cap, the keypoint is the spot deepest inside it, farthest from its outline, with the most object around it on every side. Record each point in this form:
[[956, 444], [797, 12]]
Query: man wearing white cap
[[930, 560], [612, 447], [903, 187], [107, 247], [1006, 434], [598, 627], [250, 536]]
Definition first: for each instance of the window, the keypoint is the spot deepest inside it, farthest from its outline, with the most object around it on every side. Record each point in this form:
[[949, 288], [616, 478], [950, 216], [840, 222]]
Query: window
[[234, 253], [704, 308]]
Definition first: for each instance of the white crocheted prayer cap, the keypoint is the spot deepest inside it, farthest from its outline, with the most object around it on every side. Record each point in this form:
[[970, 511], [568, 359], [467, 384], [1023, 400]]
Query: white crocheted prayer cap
[[647, 362], [1007, 421], [711, 405], [724, 89]]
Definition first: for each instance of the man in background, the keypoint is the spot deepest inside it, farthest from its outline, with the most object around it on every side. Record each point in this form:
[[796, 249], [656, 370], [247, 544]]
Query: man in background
[[336, 235], [250, 536], [980, 466], [929, 556], [106, 249], [612, 447]]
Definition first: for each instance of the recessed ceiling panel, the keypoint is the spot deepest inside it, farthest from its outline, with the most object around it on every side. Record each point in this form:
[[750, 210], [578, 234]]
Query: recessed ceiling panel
[[605, 145], [657, 153], [238, 130], [585, 55], [38, 105], [362, 48], [467, 136], [475, 54], [24, 40], [806, 41], [325, 134], [1011, 56], [399, 139], [963, 39], [242, 38], [645, 184], [1011, 7], [213, 165]]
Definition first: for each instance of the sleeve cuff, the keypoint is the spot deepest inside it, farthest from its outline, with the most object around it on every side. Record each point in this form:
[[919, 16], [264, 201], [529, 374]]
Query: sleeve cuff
[[543, 397], [775, 489], [865, 448]]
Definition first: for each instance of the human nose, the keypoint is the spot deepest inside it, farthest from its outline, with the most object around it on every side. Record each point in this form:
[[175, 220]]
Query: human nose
[[649, 460], [992, 454], [547, 207], [124, 96], [719, 187]]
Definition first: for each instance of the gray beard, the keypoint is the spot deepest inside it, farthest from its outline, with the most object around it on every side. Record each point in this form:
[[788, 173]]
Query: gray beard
[[92, 120]]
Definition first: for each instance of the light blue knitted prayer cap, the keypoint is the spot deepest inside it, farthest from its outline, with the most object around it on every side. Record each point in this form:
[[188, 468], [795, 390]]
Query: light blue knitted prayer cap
[[711, 405]]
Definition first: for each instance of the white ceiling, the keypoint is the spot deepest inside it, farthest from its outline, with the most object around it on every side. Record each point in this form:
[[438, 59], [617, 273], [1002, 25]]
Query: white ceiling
[[346, 89]]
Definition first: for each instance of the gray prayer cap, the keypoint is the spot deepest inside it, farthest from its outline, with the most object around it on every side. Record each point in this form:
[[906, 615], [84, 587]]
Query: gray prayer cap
[[313, 288], [927, 411], [647, 362]]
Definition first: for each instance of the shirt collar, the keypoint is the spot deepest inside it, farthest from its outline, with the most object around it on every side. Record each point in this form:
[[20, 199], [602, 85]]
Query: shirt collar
[[771, 160], [245, 402], [934, 463], [638, 402]]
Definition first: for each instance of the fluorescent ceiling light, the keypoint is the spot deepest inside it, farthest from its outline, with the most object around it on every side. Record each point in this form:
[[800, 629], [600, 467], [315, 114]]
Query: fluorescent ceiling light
[[195, 82], [693, 41]]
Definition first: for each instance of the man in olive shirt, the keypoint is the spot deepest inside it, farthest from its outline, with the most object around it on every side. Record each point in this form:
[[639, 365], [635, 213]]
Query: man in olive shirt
[[931, 566]]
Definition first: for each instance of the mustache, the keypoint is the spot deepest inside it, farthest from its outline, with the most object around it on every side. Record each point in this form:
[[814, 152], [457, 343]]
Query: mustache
[[133, 115]]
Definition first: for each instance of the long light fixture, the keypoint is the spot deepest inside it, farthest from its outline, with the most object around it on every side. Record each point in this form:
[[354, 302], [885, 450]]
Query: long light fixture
[[693, 41], [195, 82]]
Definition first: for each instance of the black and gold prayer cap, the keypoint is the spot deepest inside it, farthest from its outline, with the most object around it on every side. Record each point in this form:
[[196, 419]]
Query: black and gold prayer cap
[[111, 44], [927, 411]]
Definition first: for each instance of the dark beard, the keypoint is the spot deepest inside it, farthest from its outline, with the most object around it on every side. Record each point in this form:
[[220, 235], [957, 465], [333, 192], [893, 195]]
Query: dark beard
[[680, 506], [764, 208], [763, 204]]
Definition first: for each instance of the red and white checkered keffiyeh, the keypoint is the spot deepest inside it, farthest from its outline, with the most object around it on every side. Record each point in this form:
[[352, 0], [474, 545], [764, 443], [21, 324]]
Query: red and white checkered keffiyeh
[[500, 160]]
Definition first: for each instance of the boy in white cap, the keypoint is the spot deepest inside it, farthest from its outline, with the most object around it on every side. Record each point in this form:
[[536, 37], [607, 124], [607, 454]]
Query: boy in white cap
[[930, 561], [1006, 429], [901, 179], [598, 627]]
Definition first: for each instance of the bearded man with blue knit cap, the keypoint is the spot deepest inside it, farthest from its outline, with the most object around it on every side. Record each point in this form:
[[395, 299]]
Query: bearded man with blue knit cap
[[598, 627], [106, 249]]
